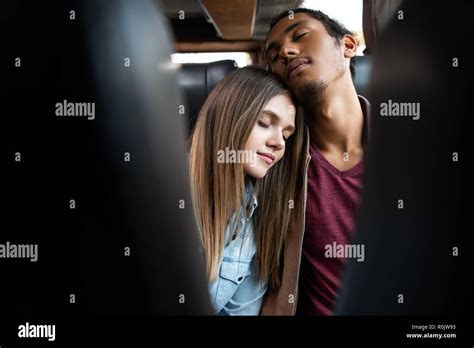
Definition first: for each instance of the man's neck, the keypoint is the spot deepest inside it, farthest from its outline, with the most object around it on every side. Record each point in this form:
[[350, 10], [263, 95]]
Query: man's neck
[[336, 124]]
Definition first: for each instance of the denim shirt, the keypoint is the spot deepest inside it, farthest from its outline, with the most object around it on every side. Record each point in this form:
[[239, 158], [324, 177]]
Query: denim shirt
[[237, 289]]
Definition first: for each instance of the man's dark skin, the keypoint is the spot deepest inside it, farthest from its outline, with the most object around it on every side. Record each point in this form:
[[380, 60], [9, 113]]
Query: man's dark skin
[[324, 85]]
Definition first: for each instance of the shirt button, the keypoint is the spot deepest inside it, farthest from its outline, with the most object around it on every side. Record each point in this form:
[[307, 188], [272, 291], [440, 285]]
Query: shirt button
[[240, 278]]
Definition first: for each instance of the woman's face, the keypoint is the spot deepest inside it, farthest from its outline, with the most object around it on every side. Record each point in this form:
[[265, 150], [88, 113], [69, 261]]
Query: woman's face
[[275, 124]]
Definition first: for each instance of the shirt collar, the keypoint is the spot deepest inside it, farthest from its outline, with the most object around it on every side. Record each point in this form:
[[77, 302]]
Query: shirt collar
[[251, 197]]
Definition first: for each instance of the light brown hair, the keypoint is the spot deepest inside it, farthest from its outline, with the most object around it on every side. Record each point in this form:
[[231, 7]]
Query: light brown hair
[[218, 190]]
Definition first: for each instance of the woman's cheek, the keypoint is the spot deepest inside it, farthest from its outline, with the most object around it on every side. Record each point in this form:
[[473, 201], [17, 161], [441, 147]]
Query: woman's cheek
[[254, 139], [280, 156]]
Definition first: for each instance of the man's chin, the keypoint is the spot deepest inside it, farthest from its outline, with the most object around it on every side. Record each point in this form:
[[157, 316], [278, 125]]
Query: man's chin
[[299, 84], [310, 93]]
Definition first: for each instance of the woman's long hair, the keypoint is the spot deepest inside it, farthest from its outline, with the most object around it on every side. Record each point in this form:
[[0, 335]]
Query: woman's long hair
[[218, 189]]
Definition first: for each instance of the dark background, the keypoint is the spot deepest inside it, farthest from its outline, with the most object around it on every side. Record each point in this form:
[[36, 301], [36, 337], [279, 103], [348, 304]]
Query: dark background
[[118, 204]]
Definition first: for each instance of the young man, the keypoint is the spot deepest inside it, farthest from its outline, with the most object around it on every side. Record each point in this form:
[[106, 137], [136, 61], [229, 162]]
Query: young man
[[312, 53]]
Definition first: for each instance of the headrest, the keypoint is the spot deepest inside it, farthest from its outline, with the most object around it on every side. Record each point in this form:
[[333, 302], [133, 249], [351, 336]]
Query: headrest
[[362, 74], [197, 81]]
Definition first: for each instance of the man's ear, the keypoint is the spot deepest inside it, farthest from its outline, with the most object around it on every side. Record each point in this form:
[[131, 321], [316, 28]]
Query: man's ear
[[350, 46]]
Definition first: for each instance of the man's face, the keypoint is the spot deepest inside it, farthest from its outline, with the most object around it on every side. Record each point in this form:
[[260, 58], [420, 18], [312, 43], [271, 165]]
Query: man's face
[[301, 52]]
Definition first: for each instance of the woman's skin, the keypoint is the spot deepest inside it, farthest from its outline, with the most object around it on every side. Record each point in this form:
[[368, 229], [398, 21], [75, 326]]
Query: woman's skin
[[274, 126]]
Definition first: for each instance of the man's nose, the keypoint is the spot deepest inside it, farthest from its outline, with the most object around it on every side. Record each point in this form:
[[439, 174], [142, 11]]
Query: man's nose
[[288, 51]]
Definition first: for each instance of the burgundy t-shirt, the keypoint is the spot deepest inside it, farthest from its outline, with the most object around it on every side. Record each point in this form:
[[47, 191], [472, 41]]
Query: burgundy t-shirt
[[332, 201]]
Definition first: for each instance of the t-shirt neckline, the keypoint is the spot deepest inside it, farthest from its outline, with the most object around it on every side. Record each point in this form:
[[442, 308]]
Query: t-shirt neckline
[[355, 170]]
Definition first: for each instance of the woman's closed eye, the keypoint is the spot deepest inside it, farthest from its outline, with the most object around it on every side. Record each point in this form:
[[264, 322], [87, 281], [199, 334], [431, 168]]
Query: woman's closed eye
[[262, 124]]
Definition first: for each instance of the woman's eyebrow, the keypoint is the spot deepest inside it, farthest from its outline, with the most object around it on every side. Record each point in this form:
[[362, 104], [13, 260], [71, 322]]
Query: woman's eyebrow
[[277, 118]]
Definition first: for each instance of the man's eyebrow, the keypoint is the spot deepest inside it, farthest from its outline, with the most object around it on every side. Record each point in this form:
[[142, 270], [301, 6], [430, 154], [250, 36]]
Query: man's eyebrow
[[286, 31], [276, 117]]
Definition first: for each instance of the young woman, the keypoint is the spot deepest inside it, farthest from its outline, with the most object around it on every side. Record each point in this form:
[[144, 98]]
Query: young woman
[[244, 162]]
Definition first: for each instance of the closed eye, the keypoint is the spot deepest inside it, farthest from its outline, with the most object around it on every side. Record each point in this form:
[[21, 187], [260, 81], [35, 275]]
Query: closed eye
[[261, 124], [296, 38]]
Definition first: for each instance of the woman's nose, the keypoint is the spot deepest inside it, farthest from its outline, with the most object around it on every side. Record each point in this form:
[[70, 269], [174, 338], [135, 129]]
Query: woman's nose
[[277, 142]]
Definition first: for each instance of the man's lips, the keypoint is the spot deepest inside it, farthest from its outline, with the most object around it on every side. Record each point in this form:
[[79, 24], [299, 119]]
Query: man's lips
[[295, 66], [269, 158]]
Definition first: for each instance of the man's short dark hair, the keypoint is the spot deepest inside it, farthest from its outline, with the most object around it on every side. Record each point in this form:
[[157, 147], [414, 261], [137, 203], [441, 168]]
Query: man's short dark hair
[[333, 27]]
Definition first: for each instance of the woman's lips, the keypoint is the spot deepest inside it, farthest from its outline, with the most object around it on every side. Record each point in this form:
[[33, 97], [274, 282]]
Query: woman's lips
[[297, 70], [266, 158]]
